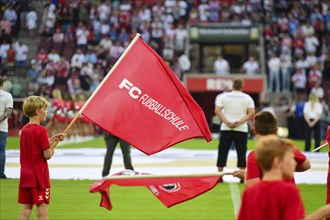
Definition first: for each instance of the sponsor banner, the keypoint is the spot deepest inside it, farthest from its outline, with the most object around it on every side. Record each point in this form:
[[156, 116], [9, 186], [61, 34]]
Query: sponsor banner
[[212, 83]]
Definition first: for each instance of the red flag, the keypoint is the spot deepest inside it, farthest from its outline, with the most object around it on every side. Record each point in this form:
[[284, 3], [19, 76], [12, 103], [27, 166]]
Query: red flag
[[169, 190], [143, 102]]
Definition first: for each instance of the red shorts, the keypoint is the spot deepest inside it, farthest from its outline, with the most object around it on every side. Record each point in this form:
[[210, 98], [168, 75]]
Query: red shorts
[[34, 196]]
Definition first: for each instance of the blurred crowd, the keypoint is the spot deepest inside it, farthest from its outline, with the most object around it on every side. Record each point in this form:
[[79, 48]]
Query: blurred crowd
[[81, 40]]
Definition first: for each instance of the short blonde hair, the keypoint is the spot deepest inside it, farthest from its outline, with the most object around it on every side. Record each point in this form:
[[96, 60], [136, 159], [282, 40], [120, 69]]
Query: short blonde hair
[[32, 104], [270, 146]]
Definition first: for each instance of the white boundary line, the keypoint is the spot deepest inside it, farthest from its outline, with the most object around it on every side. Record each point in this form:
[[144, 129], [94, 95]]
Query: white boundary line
[[235, 197]]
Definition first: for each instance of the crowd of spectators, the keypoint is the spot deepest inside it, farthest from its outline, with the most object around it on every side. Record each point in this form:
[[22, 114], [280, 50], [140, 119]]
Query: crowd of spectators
[[81, 40], [296, 35]]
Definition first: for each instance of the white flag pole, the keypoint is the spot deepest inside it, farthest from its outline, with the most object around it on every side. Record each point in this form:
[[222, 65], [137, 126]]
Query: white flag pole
[[147, 176], [320, 147]]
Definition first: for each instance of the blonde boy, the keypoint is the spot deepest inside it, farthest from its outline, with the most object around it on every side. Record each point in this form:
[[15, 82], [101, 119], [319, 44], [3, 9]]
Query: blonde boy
[[272, 197], [34, 184]]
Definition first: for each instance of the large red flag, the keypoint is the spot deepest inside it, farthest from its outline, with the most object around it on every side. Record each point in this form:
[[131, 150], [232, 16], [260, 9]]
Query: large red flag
[[143, 102], [169, 190]]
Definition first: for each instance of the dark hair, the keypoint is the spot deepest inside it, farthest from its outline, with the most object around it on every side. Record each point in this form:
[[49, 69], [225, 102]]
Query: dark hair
[[238, 83], [265, 123]]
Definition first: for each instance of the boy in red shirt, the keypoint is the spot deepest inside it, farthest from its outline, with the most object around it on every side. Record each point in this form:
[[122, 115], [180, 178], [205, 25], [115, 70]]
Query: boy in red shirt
[[272, 197], [265, 123], [34, 184]]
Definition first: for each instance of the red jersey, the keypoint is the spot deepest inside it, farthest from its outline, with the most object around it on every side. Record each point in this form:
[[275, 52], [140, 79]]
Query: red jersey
[[271, 200], [253, 170], [34, 167]]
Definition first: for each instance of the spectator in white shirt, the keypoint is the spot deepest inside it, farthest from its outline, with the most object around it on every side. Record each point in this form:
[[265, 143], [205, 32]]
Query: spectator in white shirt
[[299, 80], [78, 59], [181, 36], [250, 67], [82, 34], [54, 57], [311, 43], [221, 66], [286, 67], [31, 22], [274, 65], [21, 55]]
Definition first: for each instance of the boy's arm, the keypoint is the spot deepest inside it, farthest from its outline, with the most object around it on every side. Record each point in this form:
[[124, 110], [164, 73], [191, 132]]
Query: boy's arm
[[303, 163], [322, 212], [48, 153], [57, 137], [304, 166], [253, 173]]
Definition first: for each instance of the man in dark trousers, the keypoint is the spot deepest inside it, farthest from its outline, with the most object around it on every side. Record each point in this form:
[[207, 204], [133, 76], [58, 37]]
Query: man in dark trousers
[[111, 142]]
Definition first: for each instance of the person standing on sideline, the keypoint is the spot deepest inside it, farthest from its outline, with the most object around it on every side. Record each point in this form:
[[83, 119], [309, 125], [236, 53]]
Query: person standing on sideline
[[234, 109], [111, 142], [6, 108], [274, 65], [35, 150], [312, 114]]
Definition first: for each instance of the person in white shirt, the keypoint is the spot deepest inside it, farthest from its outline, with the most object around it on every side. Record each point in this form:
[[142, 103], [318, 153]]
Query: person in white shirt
[[234, 109], [31, 22], [312, 115], [181, 36], [6, 108], [286, 67], [82, 34], [21, 54], [299, 80], [184, 64], [274, 65], [251, 66], [221, 66], [311, 43]]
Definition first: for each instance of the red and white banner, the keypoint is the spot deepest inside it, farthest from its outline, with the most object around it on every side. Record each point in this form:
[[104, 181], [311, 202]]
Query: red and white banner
[[169, 190], [143, 102]]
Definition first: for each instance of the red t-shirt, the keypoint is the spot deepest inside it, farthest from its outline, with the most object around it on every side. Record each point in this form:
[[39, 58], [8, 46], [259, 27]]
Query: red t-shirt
[[34, 167], [271, 200], [253, 170]]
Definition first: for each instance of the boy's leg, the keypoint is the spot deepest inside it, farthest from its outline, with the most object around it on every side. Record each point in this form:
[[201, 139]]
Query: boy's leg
[[25, 213], [42, 211]]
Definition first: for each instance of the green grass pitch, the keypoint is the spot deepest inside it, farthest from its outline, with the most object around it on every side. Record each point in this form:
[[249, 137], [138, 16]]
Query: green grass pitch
[[70, 199]]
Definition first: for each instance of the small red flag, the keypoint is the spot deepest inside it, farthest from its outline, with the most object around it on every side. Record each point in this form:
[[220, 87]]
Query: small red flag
[[169, 190], [143, 102]]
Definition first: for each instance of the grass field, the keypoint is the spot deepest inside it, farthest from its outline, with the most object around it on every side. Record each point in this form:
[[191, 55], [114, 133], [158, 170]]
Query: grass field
[[13, 143], [71, 199]]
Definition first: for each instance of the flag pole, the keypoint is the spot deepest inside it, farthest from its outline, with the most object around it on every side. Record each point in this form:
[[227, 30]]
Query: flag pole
[[147, 176], [137, 36], [320, 147]]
